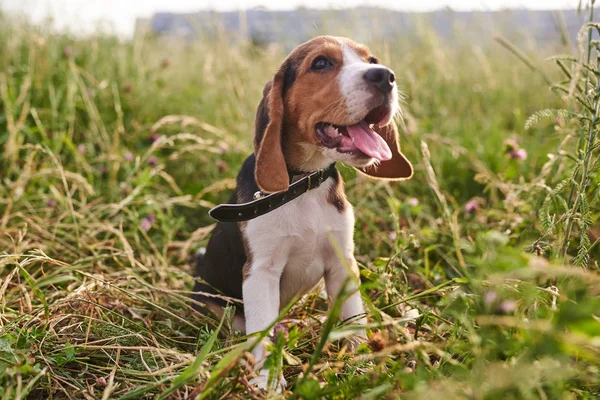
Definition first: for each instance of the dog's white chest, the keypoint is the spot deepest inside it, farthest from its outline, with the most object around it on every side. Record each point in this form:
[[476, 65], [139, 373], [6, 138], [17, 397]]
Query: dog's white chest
[[307, 216], [297, 240]]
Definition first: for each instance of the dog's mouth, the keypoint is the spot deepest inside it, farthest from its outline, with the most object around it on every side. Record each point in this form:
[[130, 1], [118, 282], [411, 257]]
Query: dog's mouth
[[358, 139]]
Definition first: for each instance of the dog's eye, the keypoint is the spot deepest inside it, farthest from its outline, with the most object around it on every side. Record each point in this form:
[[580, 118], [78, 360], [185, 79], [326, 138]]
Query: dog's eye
[[321, 63], [373, 60]]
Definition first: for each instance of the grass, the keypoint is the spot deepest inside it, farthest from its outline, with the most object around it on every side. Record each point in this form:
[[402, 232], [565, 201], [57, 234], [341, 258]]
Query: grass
[[111, 153]]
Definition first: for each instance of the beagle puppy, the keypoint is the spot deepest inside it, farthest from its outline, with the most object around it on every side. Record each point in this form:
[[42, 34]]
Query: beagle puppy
[[330, 101]]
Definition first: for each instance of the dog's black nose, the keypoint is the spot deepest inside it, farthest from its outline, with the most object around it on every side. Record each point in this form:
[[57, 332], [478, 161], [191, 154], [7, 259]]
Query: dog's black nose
[[380, 77]]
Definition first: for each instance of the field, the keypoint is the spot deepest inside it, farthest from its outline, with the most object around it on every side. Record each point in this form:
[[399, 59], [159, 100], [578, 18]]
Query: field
[[481, 274]]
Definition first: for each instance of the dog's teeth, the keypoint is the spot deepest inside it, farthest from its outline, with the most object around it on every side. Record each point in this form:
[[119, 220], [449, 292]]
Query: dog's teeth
[[332, 131]]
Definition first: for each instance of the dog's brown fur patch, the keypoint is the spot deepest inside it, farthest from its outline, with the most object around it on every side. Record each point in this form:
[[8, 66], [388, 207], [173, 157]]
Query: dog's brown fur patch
[[336, 196]]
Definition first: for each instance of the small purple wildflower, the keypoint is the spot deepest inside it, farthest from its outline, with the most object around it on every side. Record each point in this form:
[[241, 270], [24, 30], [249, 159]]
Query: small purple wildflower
[[146, 224], [151, 217], [152, 161], [520, 154], [51, 203], [508, 306], [392, 235], [413, 202], [490, 297], [81, 149], [154, 137], [222, 165], [472, 206], [279, 328], [128, 157], [124, 188]]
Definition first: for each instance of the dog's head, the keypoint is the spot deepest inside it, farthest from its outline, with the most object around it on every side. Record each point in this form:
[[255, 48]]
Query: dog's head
[[329, 101]]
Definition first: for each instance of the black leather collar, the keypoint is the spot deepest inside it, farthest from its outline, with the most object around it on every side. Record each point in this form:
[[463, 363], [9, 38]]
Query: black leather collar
[[264, 204]]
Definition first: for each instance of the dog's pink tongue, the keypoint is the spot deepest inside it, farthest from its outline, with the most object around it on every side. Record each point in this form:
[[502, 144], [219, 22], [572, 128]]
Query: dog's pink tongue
[[369, 142]]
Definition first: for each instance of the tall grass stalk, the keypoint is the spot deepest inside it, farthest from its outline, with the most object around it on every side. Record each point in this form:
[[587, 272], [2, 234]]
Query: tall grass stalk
[[584, 149], [582, 94]]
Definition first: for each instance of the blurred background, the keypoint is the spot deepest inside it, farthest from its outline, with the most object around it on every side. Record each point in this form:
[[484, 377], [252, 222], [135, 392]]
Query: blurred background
[[259, 18]]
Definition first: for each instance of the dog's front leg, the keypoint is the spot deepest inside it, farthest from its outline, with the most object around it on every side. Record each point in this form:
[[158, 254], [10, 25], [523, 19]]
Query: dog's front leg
[[337, 274], [261, 307]]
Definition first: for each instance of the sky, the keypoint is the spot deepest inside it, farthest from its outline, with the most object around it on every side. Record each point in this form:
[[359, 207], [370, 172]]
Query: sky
[[119, 15]]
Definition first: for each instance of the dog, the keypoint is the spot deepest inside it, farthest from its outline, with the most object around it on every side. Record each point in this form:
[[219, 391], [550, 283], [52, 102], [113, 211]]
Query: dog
[[288, 223]]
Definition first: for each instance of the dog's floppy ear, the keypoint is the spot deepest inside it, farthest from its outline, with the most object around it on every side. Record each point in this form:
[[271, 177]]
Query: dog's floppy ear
[[271, 171], [396, 168]]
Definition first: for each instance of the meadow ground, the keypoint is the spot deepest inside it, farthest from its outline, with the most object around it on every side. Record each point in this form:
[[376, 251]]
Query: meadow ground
[[480, 274]]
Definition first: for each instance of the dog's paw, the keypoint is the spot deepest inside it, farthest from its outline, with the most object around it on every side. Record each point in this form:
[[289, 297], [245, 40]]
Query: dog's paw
[[261, 381], [352, 342]]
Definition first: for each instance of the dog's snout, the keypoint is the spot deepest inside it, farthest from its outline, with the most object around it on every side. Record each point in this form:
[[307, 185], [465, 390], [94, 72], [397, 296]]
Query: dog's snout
[[381, 78]]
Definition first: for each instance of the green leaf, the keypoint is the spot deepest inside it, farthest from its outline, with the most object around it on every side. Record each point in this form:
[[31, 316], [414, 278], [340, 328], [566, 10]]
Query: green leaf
[[66, 355], [308, 388], [55, 280]]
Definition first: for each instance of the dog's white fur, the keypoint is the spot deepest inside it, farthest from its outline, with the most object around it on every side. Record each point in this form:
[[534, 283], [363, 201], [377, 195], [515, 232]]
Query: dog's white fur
[[354, 89], [292, 250]]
